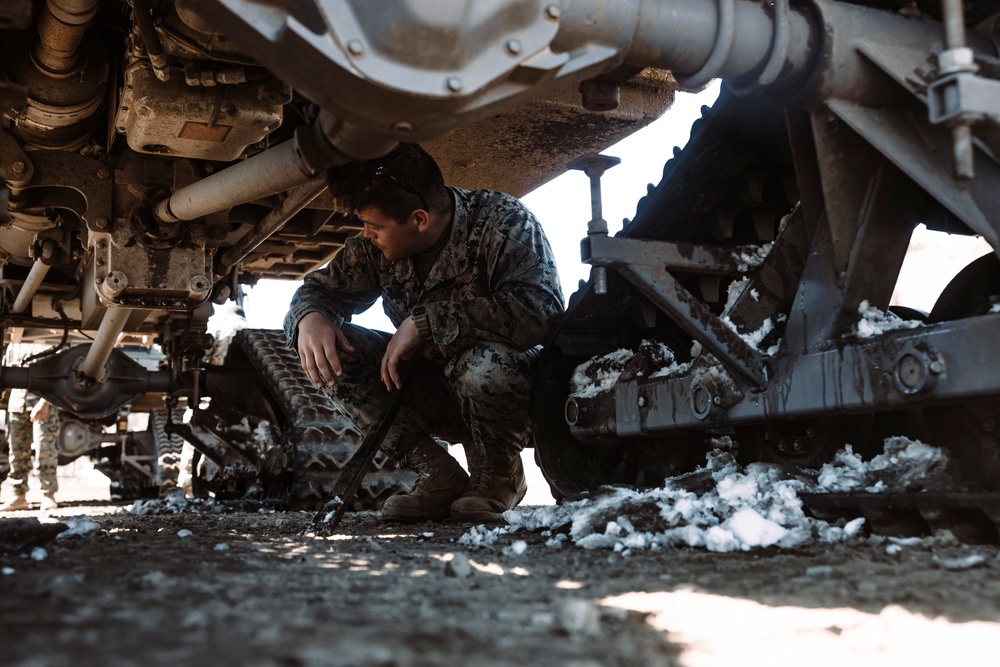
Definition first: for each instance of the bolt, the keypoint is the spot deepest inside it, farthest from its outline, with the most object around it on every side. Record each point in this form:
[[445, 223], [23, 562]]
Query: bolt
[[716, 400], [783, 445], [453, 83], [513, 46], [936, 367], [796, 445], [199, 284], [355, 47], [553, 12], [403, 126], [99, 279], [103, 173], [118, 280], [101, 261], [101, 223], [17, 168]]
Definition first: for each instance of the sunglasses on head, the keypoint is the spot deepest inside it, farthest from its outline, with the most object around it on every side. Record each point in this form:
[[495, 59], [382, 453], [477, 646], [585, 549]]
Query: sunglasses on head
[[363, 176]]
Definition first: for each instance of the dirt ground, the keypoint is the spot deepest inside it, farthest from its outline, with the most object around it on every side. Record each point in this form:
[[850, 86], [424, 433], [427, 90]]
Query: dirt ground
[[245, 588]]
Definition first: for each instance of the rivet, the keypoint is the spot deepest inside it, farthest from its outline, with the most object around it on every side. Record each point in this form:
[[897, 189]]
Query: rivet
[[103, 173], [402, 126], [17, 167], [936, 367], [453, 83], [101, 223], [553, 12], [355, 47], [513, 46]]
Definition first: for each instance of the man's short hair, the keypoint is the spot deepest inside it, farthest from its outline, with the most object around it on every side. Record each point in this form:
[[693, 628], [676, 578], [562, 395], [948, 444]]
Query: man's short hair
[[397, 184]]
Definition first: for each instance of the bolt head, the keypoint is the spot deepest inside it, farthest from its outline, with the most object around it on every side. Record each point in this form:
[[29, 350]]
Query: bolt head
[[101, 223], [103, 173], [355, 47], [17, 167], [453, 83], [553, 12], [402, 126], [514, 46]]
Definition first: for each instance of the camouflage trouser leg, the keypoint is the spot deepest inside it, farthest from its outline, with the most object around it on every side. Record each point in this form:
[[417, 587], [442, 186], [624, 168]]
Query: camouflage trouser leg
[[478, 398], [19, 437], [47, 437]]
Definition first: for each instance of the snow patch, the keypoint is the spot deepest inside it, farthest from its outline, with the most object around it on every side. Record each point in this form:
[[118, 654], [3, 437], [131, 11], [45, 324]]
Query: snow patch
[[874, 322], [723, 507]]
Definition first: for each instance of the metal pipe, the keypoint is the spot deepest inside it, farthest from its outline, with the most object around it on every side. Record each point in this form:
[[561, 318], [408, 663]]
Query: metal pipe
[[329, 143], [30, 285], [297, 200], [275, 170], [61, 27], [104, 342], [681, 36]]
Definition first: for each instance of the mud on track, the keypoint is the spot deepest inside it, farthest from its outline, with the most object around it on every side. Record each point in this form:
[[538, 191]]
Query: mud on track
[[245, 589]]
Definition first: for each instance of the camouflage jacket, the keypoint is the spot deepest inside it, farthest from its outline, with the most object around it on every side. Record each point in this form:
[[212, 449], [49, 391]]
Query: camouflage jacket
[[495, 280]]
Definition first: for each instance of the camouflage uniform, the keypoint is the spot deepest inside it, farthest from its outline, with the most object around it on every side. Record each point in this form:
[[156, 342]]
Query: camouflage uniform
[[491, 297], [21, 433]]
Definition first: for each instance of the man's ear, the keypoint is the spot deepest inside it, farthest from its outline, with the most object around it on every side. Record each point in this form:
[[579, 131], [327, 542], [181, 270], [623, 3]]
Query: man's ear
[[421, 219]]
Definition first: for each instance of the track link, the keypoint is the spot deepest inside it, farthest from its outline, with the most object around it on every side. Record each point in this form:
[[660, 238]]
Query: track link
[[319, 440]]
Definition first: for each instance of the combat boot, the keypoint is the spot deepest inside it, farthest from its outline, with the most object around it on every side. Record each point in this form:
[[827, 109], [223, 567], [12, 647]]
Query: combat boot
[[497, 485], [18, 503], [440, 480], [49, 501]]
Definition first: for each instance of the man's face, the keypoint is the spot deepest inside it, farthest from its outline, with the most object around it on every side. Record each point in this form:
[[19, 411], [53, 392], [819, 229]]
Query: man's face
[[396, 240]]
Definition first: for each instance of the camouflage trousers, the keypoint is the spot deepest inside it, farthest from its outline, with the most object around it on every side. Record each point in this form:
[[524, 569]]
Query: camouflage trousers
[[21, 434], [480, 398]]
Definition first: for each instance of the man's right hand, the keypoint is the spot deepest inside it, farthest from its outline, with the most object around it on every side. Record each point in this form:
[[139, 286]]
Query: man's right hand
[[319, 340]]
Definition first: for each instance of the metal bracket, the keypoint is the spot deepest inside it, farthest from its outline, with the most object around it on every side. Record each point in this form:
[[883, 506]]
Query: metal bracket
[[963, 98], [646, 265]]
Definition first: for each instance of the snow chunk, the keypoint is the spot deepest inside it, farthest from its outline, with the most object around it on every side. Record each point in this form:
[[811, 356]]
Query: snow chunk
[[753, 530], [874, 322], [904, 465], [78, 527], [600, 374], [39, 554], [184, 532], [752, 257]]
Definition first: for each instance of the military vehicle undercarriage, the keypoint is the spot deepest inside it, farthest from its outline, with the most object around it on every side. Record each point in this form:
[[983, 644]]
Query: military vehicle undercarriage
[[160, 154]]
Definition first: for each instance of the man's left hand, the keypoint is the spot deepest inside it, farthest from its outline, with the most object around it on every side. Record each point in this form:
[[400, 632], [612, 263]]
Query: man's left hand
[[401, 347], [41, 411]]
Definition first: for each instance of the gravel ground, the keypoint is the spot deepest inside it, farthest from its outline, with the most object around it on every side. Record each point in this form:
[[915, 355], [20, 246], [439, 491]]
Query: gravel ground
[[246, 588]]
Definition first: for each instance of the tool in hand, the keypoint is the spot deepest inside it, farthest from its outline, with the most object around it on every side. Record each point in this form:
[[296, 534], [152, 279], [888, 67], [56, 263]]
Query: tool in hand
[[332, 511]]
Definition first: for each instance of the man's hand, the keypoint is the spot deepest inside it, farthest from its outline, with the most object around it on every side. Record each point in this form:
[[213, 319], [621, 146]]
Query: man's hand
[[41, 411], [319, 340], [401, 347]]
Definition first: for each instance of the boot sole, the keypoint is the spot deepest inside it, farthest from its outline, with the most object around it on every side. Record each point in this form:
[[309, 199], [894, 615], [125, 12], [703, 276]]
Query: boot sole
[[482, 516]]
